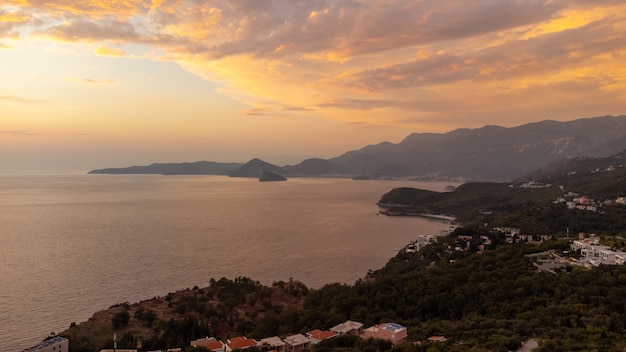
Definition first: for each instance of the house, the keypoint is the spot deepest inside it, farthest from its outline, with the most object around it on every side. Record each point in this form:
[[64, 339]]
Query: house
[[298, 342], [55, 344], [395, 333], [273, 343], [210, 343], [348, 327], [593, 254], [437, 339], [240, 343], [316, 336]]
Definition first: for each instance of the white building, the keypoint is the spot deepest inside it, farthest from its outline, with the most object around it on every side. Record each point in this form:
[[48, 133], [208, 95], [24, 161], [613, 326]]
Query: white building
[[348, 327], [395, 333], [55, 344], [274, 343], [297, 342], [593, 254]]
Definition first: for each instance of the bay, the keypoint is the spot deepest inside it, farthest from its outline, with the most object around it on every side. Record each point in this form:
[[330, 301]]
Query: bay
[[71, 244]]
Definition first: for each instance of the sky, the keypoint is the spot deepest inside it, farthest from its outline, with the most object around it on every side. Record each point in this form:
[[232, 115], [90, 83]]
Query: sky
[[95, 83]]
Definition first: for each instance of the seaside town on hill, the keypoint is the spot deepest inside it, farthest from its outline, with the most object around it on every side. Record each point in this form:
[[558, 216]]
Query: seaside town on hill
[[391, 332]]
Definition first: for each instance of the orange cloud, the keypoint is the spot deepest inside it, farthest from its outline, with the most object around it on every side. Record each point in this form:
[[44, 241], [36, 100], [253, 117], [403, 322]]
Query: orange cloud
[[92, 8], [108, 51], [379, 59]]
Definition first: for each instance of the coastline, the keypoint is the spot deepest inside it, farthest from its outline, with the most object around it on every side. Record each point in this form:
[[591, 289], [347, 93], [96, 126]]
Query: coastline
[[423, 215]]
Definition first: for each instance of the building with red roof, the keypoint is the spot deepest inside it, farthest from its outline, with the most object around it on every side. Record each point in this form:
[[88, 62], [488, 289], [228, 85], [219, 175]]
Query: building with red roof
[[316, 336], [210, 343], [240, 343]]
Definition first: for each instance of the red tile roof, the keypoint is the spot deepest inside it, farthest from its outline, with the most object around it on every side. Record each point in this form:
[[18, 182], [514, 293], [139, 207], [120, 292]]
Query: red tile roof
[[321, 335], [211, 344], [241, 342]]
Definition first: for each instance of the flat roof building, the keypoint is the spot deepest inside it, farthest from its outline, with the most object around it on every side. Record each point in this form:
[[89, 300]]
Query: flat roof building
[[55, 344], [274, 343], [210, 343], [297, 342], [395, 333], [348, 327]]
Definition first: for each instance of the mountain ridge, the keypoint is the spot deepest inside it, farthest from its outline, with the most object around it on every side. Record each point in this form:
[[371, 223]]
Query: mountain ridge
[[488, 153]]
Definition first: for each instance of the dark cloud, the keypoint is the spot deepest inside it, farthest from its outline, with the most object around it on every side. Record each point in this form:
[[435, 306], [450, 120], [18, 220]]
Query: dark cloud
[[296, 109], [16, 132], [359, 104], [278, 28], [82, 29], [545, 53], [259, 112], [275, 109]]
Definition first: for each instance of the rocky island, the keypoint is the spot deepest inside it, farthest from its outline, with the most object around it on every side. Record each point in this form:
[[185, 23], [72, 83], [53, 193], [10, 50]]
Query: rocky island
[[268, 176]]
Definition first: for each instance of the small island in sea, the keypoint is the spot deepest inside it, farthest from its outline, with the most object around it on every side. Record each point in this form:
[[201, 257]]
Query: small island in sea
[[268, 176]]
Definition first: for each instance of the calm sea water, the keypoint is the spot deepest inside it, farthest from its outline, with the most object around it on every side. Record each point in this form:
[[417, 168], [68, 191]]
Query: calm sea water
[[71, 245]]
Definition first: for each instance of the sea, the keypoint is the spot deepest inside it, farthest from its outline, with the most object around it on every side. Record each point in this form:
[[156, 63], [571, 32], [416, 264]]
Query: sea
[[72, 244]]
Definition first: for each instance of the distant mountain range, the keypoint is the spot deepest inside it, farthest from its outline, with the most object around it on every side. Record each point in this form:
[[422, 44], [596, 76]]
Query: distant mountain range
[[193, 168], [490, 153]]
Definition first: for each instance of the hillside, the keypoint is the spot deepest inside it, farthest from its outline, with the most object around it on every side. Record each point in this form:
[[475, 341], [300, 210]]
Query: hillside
[[490, 153], [576, 165], [224, 308], [534, 207], [255, 169], [492, 301]]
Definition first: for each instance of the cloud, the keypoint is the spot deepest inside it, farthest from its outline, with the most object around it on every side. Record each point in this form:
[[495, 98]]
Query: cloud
[[547, 53], [17, 99], [92, 8], [108, 51], [90, 80], [270, 108], [99, 30], [16, 133], [401, 61], [11, 21], [330, 30], [358, 104]]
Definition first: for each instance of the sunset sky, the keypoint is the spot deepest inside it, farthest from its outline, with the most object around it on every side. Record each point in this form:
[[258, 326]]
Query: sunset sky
[[88, 84]]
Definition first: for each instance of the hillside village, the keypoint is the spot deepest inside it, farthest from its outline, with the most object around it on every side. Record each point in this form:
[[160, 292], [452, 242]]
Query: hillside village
[[391, 332]]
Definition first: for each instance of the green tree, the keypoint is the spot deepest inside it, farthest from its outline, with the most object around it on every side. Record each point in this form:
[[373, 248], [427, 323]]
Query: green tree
[[120, 319]]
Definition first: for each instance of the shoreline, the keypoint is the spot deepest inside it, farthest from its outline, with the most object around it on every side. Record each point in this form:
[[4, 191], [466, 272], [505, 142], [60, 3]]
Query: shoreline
[[423, 215]]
